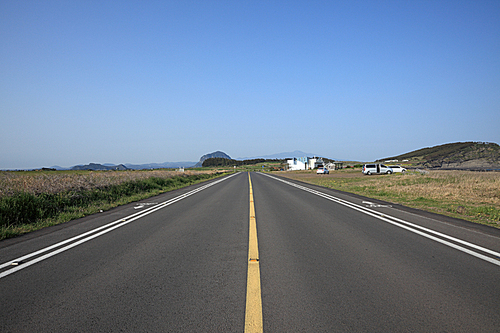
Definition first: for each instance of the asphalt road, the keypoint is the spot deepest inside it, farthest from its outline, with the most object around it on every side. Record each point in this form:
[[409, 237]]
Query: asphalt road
[[329, 262]]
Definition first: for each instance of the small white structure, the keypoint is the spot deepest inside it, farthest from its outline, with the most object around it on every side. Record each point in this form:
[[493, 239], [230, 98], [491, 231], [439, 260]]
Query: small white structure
[[316, 162], [334, 165], [299, 163], [304, 163]]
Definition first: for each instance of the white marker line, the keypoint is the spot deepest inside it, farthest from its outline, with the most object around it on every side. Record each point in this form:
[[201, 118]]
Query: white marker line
[[374, 205], [405, 225], [103, 230]]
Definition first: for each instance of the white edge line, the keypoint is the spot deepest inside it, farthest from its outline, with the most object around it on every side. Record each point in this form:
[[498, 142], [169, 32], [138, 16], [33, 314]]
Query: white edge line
[[377, 215], [110, 226]]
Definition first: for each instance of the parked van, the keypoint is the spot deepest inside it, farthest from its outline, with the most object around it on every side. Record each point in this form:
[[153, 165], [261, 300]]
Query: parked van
[[376, 169], [397, 168]]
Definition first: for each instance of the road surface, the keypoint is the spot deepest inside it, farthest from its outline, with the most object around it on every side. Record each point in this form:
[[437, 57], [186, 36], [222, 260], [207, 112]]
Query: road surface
[[325, 261]]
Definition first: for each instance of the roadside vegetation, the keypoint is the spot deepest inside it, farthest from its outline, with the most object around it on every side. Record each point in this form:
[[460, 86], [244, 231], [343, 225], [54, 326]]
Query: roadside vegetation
[[243, 164], [249, 165], [33, 200], [469, 195]]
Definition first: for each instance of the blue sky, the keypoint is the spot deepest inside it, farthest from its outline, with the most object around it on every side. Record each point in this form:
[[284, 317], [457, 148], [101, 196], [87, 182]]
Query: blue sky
[[156, 81]]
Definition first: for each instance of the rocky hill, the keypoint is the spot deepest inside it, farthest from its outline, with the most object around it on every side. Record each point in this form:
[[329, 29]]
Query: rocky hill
[[217, 154], [459, 155]]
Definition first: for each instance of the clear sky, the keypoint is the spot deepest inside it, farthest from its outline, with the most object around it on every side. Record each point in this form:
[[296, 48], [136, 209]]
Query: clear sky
[[157, 81]]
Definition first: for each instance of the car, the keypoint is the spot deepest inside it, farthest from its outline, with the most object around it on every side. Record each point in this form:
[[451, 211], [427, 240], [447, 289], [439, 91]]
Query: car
[[376, 169], [397, 168], [322, 171]]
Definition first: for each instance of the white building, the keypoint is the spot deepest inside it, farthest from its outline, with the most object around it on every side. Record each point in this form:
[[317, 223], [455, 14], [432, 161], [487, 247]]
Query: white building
[[297, 163], [304, 163]]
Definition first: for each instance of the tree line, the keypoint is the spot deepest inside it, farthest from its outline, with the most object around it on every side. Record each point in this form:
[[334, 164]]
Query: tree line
[[225, 162]]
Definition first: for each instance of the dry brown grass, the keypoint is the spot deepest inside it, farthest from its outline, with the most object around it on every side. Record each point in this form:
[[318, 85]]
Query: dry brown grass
[[474, 196], [36, 182], [455, 186], [36, 199]]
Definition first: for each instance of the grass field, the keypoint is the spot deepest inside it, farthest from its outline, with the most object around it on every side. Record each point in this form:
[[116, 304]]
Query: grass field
[[472, 196], [33, 200]]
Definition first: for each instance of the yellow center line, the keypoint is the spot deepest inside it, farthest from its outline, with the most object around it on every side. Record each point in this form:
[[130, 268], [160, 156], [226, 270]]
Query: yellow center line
[[253, 312]]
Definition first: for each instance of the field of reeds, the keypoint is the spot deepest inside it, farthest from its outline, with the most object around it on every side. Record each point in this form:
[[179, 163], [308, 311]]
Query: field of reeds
[[469, 195], [32, 200]]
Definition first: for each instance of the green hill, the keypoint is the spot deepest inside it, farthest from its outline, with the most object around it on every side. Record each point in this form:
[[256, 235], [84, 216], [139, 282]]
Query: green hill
[[459, 155], [217, 154]]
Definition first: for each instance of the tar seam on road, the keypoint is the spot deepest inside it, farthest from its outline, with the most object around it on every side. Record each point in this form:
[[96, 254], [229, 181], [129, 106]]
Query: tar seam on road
[[253, 310], [23, 262]]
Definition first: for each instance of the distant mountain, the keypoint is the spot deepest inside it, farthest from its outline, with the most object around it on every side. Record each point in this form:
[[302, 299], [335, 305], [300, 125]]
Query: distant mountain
[[57, 167], [96, 167], [217, 154], [459, 155], [110, 166], [168, 165]]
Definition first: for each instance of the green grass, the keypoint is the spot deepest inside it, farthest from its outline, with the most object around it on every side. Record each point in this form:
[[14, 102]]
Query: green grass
[[24, 212]]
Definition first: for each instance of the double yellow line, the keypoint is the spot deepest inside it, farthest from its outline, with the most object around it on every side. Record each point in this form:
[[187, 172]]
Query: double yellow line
[[253, 312]]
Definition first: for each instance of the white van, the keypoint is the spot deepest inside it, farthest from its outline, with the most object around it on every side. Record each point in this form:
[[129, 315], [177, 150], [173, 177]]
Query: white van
[[376, 169], [397, 168]]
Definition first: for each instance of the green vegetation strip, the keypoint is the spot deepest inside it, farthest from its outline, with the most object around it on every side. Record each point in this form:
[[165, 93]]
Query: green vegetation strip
[[23, 212]]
